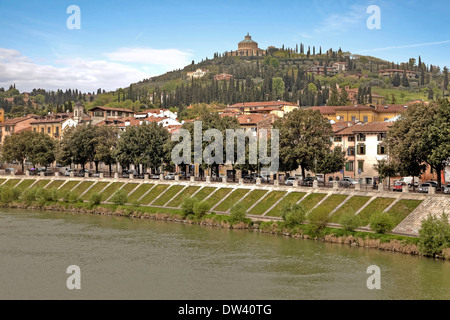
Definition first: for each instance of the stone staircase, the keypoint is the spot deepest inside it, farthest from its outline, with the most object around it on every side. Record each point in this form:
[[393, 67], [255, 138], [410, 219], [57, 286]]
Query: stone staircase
[[432, 205]]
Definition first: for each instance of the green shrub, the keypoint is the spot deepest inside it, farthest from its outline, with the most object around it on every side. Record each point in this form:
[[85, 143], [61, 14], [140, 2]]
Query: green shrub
[[43, 195], [70, 196], [381, 222], [8, 195], [29, 196], [136, 203], [293, 214], [237, 213], [350, 221], [95, 199], [187, 207], [434, 235], [318, 219], [201, 208], [120, 197]]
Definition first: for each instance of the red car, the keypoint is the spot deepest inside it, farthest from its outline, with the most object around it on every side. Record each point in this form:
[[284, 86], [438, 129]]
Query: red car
[[398, 186]]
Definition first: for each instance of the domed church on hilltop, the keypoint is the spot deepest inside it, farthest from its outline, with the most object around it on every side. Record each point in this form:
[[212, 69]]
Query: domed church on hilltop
[[247, 47]]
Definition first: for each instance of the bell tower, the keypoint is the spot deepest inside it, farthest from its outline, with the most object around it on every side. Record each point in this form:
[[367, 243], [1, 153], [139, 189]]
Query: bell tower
[[78, 113]]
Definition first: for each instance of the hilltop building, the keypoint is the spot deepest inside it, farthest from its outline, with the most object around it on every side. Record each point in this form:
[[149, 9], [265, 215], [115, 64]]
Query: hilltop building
[[247, 47]]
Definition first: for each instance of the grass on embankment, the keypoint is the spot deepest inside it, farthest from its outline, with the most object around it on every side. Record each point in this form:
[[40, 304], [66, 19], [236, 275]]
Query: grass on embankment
[[129, 187], [25, 184], [187, 193], [331, 202], [267, 202], [55, 184], [156, 191], [111, 189], [402, 209], [136, 195], [69, 185], [251, 198], [376, 206], [217, 196], [11, 183], [82, 187], [290, 199], [312, 200], [231, 200], [95, 189], [204, 192], [169, 194], [353, 205], [40, 184]]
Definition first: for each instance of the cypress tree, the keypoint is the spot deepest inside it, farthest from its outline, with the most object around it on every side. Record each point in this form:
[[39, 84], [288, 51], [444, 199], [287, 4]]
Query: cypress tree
[[405, 81]]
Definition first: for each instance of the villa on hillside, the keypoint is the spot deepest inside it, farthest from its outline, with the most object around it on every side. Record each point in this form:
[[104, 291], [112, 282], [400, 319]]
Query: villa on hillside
[[279, 108], [199, 73], [393, 72]]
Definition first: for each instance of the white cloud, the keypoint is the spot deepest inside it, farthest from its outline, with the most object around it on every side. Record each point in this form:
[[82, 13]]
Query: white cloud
[[336, 23], [87, 75], [169, 58]]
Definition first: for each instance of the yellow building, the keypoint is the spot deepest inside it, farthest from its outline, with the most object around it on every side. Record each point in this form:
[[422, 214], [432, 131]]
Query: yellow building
[[53, 125], [2, 115], [361, 113]]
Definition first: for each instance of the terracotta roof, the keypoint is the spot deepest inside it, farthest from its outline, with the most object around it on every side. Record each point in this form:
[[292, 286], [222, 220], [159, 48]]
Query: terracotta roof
[[339, 126], [54, 120], [111, 109], [150, 111], [266, 109], [260, 104], [371, 127], [28, 128], [13, 121], [379, 109], [254, 118]]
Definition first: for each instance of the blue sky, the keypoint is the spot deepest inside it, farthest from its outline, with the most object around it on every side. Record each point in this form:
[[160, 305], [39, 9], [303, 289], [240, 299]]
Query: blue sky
[[120, 42]]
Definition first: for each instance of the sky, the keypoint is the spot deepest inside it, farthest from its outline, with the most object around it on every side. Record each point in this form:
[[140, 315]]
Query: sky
[[120, 42]]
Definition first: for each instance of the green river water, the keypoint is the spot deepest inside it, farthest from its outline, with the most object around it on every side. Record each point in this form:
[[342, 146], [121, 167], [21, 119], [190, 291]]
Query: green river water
[[122, 258]]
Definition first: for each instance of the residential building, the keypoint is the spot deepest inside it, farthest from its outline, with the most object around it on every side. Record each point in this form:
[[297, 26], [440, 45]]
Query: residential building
[[199, 73], [16, 125], [223, 77], [361, 113], [2, 115], [54, 124], [256, 122], [99, 114], [320, 70], [340, 66], [393, 72], [353, 96], [363, 144], [281, 107], [159, 113], [247, 47]]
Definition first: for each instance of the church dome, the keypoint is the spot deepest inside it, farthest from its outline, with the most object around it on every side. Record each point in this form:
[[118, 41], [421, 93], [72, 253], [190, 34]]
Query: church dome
[[248, 39]]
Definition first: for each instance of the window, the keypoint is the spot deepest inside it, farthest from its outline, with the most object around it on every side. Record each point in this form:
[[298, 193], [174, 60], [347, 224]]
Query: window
[[34, 129], [49, 130], [351, 139], [337, 139], [386, 119], [351, 151], [349, 166], [361, 166], [365, 119], [42, 130], [353, 118], [361, 149], [381, 149], [360, 137], [381, 136], [57, 130]]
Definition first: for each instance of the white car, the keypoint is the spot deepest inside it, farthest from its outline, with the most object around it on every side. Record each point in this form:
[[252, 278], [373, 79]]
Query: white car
[[447, 189], [170, 176], [290, 181]]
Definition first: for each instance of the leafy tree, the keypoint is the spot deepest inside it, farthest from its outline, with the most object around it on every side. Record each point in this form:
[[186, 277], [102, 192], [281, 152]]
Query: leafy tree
[[293, 214], [421, 137], [278, 86], [16, 147], [42, 149], [386, 169], [305, 136], [201, 208], [188, 206], [145, 144], [330, 162], [105, 145], [120, 197], [434, 235], [78, 144], [334, 98]]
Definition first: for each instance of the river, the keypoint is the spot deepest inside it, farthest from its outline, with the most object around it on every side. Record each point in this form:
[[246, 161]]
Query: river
[[123, 258]]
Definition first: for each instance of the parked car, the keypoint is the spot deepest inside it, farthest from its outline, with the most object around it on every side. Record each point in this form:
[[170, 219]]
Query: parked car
[[68, 171], [432, 183], [82, 172], [423, 188], [347, 182], [399, 185], [263, 178], [96, 174], [170, 176], [308, 181], [9, 170], [409, 181], [154, 176], [447, 189], [290, 181], [126, 173]]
